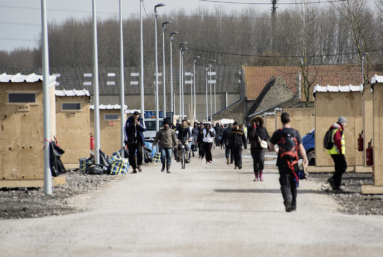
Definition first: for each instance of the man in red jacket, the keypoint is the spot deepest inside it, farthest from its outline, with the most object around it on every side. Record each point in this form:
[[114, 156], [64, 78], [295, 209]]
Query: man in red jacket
[[338, 153]]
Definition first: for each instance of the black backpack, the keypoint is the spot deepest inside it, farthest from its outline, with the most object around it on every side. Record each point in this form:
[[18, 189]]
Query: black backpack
[[327, 140], [288, 146]]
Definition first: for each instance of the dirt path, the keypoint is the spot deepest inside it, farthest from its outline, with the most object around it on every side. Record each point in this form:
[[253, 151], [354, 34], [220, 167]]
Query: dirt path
[[204, 210]]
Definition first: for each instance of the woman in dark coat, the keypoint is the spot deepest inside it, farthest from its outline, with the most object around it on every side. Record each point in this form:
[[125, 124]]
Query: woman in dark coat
[[256, 131]]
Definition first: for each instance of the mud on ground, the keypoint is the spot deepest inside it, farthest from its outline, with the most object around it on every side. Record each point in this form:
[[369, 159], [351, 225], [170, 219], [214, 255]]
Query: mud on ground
[[351, 199], [20, 203]]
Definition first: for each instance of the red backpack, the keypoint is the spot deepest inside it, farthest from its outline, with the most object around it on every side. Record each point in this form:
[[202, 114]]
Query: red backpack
[[288, 149]]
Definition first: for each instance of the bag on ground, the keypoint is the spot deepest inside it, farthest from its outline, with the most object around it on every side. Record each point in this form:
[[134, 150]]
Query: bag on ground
[[85, 163], [118, 165], [97, 169], [157, 157], [147, 155]]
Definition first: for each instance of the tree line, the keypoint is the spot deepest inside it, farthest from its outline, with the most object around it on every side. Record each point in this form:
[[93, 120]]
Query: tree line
[[305, 35]]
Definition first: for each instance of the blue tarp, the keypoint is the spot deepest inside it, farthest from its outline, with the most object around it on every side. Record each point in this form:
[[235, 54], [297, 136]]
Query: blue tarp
[[150, 145], [149, 114]]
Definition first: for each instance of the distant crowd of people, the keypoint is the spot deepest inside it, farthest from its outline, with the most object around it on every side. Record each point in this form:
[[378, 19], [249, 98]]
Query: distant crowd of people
[[202, 137]]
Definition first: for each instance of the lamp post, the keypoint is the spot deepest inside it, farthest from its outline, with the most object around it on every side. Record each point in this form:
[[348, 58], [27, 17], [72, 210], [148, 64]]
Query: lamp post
[[122, 92], [156, 60], [363, 67], [215, 95], [211, 97], [142, 63], [171, 70], [182, 84], [180, 79], [207, 102], [194, 77], [163, 63]]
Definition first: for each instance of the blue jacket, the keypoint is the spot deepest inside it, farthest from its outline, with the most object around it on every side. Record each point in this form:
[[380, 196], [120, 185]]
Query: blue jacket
[[130, 130]]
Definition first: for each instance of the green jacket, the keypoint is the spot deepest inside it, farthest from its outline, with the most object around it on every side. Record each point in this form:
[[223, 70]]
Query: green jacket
[[166, 137]]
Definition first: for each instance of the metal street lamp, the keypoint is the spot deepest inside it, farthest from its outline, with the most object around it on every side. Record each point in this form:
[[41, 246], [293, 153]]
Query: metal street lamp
[[122, 85], [211, 97], [363, 67], [180, 79], [156, 60], [207, 102], [194, 77], [142, 63], [183, 93], [171, 71], [163, 63], [215, 95]]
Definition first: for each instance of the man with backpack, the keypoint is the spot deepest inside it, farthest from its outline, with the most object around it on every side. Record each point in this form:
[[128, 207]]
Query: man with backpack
[[226, 140], [237, 139], [335, 144], [290, 142]]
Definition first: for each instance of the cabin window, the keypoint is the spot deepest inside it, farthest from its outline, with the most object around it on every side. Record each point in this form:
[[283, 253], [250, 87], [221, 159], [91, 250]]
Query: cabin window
[[71, 107], [21, 98], [111, 117]]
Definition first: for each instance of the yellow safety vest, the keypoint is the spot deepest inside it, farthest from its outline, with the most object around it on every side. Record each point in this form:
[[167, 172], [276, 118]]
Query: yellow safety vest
[[245, 130], [335, 150]]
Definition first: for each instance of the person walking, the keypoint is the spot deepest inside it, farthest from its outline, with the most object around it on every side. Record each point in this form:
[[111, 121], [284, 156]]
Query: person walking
[[135, 139], [338, 153], [237, 139], [208, 140], [168, 140], [195, 137], [226, 140], [201, 150], [290, 142], [218, 133], [258, 132], [184, 136]]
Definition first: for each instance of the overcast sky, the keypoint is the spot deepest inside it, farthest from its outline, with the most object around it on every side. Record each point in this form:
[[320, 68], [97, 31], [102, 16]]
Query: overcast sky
[[20, 19]]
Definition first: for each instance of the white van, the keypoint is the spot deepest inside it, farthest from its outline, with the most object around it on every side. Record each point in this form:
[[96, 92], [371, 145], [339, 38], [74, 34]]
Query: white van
[[150, 133]]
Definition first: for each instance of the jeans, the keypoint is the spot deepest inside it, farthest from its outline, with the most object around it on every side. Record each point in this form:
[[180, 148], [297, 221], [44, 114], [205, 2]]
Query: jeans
[[201, 150], [237, 152], [132, 154], [229, 154], [340, 168], [179, 150], [208, 154], [288, 185], [166, 152], [258, 160], [190, 144]]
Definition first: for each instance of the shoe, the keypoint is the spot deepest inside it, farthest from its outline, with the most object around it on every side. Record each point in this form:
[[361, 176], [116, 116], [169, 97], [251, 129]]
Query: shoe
[[207, 162], [235, 167], [187, 161], [332, 183], [193, 154], [177, 160], [134, 171], [256, 176], [168, 169], [260, 175], [231, 163], [240, 167], [338, 189], [288, 207], [210, 161], [139, 169], [293, 208], [163, 167], [228, 161]]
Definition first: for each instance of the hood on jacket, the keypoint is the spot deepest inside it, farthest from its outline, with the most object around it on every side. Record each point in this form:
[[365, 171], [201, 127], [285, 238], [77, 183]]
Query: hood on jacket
[[261, 121], [336, 126]]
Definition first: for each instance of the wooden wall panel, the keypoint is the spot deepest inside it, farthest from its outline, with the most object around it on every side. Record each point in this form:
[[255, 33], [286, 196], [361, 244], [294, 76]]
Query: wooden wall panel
[[109, 134], [302, 119], [278, 122], [378, 134], [21, 135], [73, 128], [368, 119], [328, 107]]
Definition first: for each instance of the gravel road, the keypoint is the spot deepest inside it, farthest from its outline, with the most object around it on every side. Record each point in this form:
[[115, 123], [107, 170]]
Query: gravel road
[[204, 210]]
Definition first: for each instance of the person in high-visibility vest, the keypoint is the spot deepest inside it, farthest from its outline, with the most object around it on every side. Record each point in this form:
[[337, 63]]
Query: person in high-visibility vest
[[338, 153]]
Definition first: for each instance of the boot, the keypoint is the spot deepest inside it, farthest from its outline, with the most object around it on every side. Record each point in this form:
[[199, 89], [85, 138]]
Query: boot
[[168, 169], [260, 175], [228, 161], [256, 176], [163, 167]]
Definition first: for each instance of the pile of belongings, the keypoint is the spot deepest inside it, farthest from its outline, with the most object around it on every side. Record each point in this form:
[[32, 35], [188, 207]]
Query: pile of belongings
[[115, 165]]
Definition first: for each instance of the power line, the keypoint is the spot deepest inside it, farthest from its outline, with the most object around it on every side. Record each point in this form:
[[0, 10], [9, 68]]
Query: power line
[[228, 2], [145, 9], [276, 56], [18, 39], [17, 23]]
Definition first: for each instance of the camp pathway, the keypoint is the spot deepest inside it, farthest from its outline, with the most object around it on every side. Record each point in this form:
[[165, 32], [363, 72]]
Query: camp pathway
[[204, 210]]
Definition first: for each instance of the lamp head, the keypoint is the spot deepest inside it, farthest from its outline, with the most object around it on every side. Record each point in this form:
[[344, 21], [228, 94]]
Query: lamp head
[[212, 61], [166, 22], [159, 5], [183, 43], [174, 32], [197, 57]]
